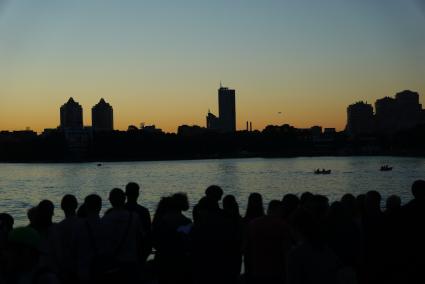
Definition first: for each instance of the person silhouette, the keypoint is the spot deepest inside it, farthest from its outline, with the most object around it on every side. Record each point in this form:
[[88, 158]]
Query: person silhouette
[[232, 257], [413, 234], [208, 203], [254, 209], [124, 233], [209, 237], [268, 243], [69, 205], [6, 222], [22, 259], [373, 227], [344, 237], [132, 191], [393, 204], [311, 260], [64, 234], [43, 217], [171, 231], [90, 240], [44, 226], [32, 217], [290, 203], [6, 225], [392, 242]]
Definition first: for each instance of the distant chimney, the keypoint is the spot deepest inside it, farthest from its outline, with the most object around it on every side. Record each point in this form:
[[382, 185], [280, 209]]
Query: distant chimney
[[250, 126], [247, 129]]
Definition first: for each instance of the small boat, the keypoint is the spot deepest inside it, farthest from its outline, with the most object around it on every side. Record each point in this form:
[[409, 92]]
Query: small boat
[[322, 172], [99, 165], [386, 168]]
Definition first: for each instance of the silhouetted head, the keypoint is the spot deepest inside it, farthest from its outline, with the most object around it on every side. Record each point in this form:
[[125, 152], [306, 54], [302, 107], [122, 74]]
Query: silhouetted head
[[337, 213], [418, 189], [373, 201], [32, 216], [181, 201], [275, 209], [305, 226], [132, 191], [69, 204], [290, 202], [6, 222], [348, 202], [93, 204], [214, 192], [230, 206], [165, 206], [306, 197], [45, 211], [82, 211], [318, 205], [361, 202], [205, 207], [117, 198], [255, 206], [348, 198], [393, 203]]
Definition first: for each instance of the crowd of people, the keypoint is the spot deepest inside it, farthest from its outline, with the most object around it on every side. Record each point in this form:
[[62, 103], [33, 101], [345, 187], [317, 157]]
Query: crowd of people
[[296, 240]]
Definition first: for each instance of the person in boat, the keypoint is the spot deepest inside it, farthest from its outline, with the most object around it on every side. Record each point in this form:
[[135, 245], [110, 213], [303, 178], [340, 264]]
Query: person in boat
[[386, 168]]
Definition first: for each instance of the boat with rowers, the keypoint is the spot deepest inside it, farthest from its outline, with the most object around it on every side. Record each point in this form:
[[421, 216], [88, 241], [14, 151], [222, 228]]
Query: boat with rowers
[[322, 172]]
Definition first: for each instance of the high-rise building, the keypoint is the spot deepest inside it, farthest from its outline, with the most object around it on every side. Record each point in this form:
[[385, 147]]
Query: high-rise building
[[386, 115], [360, 119], [422, 120], [226, 120], [408, 109], [391, 115], [102, 116], [213, 122], [71, 115], [403, 112], [227, 109]]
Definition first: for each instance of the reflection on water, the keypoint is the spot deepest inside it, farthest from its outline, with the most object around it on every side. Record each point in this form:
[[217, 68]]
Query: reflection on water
[[24, 185]]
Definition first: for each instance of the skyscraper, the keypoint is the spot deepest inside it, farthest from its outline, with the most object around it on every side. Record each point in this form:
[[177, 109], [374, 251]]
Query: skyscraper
[[102, 116], [71, 115], [360, 119], [226, 120], [408, 109], [386, 115], [403, 112], [227, 109]]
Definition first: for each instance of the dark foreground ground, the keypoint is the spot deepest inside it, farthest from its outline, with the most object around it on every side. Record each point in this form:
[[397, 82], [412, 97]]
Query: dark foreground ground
[[299, 239]]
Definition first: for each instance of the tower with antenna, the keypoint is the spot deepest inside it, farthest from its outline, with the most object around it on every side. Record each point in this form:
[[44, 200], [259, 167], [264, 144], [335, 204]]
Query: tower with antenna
[[226, 120], [227, 108]]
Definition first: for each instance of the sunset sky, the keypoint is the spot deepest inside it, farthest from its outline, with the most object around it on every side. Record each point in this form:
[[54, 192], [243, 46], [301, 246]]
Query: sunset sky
[[161, 61]]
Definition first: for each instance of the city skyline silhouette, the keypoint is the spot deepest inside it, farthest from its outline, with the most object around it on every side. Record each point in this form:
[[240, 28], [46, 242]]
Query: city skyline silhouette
[[391, 115], [160, 63]]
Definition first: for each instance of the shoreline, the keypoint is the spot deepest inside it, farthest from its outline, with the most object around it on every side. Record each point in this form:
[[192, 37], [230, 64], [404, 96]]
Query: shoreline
[[224, 157]]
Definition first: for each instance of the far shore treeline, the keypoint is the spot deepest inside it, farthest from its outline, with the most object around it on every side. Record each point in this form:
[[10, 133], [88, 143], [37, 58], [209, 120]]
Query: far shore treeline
[[198, 143]]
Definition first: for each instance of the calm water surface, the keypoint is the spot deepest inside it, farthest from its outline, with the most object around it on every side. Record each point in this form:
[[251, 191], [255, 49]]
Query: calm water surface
[[24, 185]]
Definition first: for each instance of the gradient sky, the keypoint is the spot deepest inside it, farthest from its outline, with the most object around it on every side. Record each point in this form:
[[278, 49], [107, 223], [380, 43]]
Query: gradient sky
[[160, 62]]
